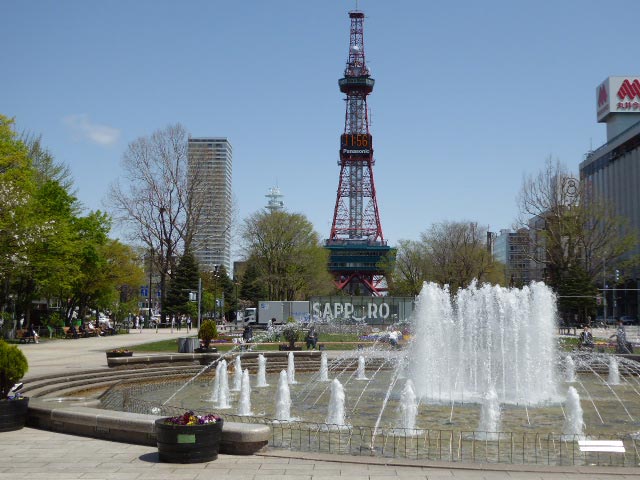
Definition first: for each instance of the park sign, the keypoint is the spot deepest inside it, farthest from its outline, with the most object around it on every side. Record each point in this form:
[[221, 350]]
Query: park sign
[[618, 95], [370, 310]]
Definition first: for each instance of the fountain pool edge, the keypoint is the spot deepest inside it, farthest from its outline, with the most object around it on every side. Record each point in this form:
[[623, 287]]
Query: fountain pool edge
[[77, 419]]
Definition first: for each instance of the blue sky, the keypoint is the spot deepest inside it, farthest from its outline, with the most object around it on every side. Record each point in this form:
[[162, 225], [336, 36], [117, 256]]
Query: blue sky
[[469, 97]]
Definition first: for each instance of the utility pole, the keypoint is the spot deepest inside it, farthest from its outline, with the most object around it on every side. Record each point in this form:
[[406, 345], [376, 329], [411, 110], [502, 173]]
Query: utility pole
[[604, 286], [199, 301], [150, 279]]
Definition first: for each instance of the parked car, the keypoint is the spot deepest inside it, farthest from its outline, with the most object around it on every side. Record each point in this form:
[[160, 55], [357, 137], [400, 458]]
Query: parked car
[[629, 319], [611, 320]]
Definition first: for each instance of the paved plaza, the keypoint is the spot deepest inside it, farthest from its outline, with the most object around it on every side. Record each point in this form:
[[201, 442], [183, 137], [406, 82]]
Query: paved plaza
[[35, 454]]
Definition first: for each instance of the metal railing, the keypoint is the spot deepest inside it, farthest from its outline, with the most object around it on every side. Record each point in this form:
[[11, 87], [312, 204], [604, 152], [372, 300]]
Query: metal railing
[[416, 444]]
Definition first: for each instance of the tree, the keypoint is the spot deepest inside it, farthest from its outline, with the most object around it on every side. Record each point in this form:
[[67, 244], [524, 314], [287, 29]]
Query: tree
[[54, 264], [448, 253], [457, 254], [20, 229], [122, 276], [288, 256], [218, 283], [44, 164], [252, 289], [576, 294], [183, 282], [411, 268], [157, 198], [573, 232]]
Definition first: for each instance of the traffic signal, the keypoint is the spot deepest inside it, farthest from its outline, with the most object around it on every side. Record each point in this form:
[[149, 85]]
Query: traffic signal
[[617, 275]]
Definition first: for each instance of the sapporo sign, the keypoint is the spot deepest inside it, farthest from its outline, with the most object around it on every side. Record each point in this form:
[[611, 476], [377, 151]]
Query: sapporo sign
[[346, 310]]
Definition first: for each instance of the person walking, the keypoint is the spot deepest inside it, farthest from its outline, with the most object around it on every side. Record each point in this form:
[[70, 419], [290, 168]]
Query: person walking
[[621, 339]]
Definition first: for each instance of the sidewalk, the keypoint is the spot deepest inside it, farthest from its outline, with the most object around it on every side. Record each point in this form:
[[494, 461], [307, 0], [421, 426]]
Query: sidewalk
[[35, 454], [60, 355]]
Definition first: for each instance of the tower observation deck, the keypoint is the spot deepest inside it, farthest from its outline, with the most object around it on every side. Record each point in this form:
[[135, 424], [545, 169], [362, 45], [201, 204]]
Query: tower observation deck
[[356, 244]]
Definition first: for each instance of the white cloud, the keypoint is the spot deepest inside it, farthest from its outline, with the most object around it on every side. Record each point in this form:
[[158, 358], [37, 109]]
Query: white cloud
[[82, 128]]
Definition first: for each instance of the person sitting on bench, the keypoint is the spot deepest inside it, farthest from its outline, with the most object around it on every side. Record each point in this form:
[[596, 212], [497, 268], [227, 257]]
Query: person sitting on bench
[[586, 338]]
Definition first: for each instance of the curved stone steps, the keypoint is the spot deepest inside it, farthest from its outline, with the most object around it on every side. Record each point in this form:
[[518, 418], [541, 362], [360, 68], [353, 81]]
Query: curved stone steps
[[156, 367], [44, 386]]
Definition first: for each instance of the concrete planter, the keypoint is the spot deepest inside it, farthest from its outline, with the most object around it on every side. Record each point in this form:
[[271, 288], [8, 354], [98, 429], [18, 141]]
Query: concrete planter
[[188, 443], [13, 414]]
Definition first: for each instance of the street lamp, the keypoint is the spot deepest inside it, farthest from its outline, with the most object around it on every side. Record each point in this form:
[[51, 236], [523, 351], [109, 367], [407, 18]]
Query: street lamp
[[215, 290], [150, 280], [235, 289]]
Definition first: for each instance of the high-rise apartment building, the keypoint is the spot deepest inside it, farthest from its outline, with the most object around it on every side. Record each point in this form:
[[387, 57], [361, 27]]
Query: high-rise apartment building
[[210, 163]]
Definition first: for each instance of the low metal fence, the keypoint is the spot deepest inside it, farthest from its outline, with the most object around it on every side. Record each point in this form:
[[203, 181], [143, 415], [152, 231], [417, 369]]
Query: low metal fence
[[417, 444]]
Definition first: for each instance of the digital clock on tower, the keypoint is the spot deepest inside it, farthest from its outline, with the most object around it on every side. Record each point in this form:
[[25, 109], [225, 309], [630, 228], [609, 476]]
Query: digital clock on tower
[[358, 144]]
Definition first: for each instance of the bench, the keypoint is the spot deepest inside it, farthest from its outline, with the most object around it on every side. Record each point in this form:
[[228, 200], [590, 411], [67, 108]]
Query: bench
[[68, 333], [606, 446], [25, 336], [567, 331]]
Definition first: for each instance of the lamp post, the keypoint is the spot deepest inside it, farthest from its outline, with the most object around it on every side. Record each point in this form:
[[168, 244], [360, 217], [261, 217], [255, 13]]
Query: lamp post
[[215, 290], [199, 301], [150, 280], [235, 303]]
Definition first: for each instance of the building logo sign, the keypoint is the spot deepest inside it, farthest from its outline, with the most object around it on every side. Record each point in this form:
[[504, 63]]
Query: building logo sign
[[627, 92], [629, 89], [603, 96]]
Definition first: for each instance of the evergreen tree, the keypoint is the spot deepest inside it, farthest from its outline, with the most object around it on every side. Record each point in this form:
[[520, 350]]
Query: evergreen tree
[[184, 281], [576, 295], [252, 289]]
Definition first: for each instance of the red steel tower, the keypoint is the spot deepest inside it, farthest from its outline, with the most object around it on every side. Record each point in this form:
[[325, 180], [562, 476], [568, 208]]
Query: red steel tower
[[356, 243]]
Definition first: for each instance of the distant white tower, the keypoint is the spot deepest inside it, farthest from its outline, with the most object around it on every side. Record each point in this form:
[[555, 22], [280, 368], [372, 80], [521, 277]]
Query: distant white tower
[[275, 203]]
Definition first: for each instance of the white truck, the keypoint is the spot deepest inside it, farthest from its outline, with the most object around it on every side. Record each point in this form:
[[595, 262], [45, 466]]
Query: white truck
[[278, 310]]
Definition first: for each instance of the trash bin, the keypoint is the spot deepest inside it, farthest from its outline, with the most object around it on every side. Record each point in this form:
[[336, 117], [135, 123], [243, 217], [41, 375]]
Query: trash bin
[[187, 344]]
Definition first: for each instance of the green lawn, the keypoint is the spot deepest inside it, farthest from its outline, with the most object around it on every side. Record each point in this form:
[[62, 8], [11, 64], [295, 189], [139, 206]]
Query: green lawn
[[171, 345]]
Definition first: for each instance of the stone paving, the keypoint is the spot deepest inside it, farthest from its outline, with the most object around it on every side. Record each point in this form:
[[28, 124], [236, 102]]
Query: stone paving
[[35, 454]]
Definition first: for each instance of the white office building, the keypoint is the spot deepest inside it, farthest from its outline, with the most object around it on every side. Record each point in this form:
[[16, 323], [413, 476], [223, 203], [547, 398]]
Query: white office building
[[613, 170]]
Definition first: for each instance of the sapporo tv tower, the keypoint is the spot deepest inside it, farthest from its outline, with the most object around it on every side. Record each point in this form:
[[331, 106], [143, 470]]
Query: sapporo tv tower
[[356, 244]]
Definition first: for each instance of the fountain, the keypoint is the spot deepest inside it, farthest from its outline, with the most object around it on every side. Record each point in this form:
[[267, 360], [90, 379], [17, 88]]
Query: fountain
[[244, 407], [335, 412], [324, 368], [291, 370], [489, 426], [237, 374], [261, 379], [487, 337], [215, 395], [408, 407], [569, 369], [360, 375], [574, 422], [614, 371], [483, 364], [221, 393], [283, 398]]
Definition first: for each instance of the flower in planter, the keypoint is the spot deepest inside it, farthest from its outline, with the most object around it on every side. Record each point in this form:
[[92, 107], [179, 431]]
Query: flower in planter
[[120, 350], [190, 418]]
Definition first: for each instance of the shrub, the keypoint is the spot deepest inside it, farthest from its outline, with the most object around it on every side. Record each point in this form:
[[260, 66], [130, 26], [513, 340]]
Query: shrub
[[291, 332], [13, 366], [208, 331]]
